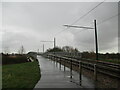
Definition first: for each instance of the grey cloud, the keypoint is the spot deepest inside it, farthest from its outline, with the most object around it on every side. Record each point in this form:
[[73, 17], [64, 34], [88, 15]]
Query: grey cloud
[[28, 23]]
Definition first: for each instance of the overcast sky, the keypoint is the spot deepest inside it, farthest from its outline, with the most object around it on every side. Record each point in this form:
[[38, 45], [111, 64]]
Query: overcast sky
[[28, 23]]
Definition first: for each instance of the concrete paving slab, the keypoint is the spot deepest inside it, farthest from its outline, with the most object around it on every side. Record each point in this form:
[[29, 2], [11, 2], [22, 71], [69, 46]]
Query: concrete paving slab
[[53, 77]]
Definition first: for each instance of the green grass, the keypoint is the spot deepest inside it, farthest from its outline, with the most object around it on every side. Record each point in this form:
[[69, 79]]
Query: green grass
[[117, 61], [111, 60], [24, 75]]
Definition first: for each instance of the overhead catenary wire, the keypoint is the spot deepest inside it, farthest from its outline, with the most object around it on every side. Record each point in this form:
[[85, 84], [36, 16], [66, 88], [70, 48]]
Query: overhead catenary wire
[[61, 31], [81, 17], [87, 13], [102, 21], [105, 20]]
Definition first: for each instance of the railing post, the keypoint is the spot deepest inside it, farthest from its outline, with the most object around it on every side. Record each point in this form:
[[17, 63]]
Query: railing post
[[95, 72], [64, 65], [71, 68], [51, 57], [54, 58], [80, 73], [60, 63]]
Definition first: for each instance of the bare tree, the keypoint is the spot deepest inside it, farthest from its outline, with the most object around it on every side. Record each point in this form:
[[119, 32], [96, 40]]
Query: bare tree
[[22, 50], [69, 49]]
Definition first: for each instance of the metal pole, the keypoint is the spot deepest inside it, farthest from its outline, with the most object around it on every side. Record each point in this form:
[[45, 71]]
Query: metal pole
[[43, 48], [95, 68], [60, 63], [80, 73], [95, 72], [54, 43], [64, 65], [56, 61], [71, 69], [96, 43], [38, 51]]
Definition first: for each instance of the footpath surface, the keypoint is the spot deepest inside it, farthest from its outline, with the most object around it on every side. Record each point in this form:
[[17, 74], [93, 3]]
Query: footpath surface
[[54, 77]]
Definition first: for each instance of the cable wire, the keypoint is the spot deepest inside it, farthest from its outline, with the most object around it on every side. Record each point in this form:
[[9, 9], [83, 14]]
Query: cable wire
[[61, 31], [81, 17], [87, 13], [105, 20]]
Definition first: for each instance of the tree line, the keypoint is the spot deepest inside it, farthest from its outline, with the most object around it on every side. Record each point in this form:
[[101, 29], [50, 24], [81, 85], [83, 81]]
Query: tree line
[[85, 54]]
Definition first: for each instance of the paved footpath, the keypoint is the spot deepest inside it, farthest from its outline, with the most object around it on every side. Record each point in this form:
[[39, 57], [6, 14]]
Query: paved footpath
[[53, 77]]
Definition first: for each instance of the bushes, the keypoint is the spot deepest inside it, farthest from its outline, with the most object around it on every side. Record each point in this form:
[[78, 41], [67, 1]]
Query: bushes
[[13, 59]]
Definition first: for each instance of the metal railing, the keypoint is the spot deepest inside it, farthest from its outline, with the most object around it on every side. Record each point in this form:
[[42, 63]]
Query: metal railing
[[98, 67]]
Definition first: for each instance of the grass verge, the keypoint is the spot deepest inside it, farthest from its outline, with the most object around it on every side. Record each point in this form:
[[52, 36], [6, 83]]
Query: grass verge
[[24, 75]]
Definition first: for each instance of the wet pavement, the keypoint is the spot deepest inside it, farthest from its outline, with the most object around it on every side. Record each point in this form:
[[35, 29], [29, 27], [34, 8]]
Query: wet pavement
[[54, 77]]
